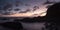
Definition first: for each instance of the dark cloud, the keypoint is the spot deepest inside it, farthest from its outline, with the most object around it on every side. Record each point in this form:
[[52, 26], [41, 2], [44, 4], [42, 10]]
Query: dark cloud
[[35, 8], [9, 9], [49, 2], [18, 3], [17, 9], [27, 10], [7, 13], [27, 4], [8, 5]]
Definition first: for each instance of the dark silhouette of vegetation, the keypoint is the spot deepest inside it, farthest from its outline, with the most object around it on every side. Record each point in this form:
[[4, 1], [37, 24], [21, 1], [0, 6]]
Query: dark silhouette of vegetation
[[32, 20], [16, 25], [12, 25], [53, 17]]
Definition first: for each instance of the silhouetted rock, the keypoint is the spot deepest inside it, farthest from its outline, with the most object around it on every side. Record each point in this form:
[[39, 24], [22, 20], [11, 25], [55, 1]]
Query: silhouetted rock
[[53, 16], [53, 11]]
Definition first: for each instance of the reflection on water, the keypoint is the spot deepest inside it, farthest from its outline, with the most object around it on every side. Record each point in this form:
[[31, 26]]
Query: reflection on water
[[26, 26], [33, 26]]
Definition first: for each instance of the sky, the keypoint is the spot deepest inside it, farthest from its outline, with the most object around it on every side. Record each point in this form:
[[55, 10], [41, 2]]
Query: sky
[[23, 8]]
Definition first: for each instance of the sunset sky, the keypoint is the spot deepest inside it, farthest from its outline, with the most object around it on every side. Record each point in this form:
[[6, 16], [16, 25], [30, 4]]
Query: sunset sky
[[23, 8]]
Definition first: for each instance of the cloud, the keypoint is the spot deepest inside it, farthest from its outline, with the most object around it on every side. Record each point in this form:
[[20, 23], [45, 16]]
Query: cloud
[[27, 10], [35, 8], [8, 5], [18, 3], [23, 9], [27, 4], [17, 9]]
